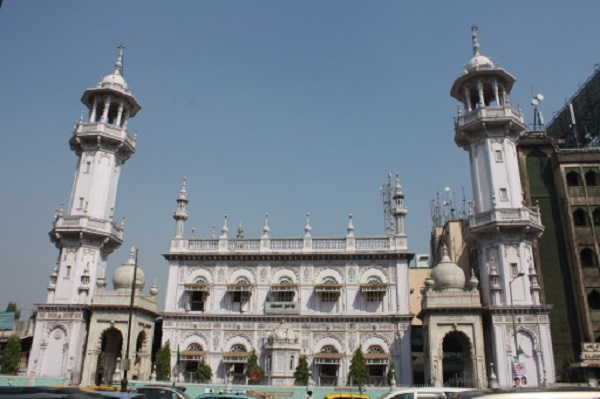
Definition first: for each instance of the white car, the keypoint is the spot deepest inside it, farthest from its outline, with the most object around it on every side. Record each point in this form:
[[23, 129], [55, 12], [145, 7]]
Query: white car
[[425, 393]]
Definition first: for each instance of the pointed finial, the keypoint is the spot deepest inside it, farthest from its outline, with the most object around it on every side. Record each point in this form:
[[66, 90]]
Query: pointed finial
[[240, 231], [61, 210], [350, 225], [445, 255], [475, 41], [307, 228], [224, 229], [132, 253], [123, 223], [183, 191], [119, 63], [266, 229]]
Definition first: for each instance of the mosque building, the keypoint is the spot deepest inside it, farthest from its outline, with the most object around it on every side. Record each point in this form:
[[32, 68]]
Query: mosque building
[[231, 296]]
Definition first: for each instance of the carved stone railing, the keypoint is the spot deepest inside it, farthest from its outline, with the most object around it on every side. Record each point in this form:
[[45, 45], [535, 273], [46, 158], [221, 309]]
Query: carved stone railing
[[85, 129], [506, 216], [489, 113], [290, 245], [67, 223]]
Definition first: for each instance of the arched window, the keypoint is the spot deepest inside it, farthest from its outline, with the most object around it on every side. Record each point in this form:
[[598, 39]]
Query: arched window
[[374, 289], [329, 290], [284, 290], [375, 349], [198, 294], [593, 298], [588, 257], [292, 361], [195, 347], [592, 178], [573, 179], [238, 348], [596, 217], [580, 218], [329, 349]]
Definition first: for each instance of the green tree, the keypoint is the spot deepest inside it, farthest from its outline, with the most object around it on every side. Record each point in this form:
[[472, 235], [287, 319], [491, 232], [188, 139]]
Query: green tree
[[204, 372], [163, 362], [12, 307], [252, 366], [302, 372], [358, 374], [11, 356]]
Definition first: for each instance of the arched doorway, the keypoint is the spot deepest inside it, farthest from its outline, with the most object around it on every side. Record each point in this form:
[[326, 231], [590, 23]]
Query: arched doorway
[[328, 363], [235, 364], [141, 353], [191, 359], [111, 346], [377, 365], [457, 361]]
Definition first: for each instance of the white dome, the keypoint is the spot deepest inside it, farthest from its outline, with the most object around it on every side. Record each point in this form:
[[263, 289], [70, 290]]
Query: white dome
[[123, 276], [112, 80], [448, 274], [479, 62]]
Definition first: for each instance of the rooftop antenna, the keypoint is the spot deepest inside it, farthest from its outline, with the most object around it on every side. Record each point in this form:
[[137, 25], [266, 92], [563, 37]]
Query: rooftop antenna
[[538, 118]]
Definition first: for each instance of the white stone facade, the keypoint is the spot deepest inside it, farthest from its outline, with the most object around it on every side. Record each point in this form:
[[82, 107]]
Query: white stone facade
[[499, 226], [86, 233], [229, 296]]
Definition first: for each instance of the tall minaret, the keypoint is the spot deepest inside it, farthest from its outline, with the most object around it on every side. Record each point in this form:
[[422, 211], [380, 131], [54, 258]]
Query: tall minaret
[[86, 233], [399, 212], [500, 227], [181, 215]]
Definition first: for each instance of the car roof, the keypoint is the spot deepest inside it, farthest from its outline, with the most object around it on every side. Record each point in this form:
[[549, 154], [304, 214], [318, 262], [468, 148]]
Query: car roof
[[534, 393]]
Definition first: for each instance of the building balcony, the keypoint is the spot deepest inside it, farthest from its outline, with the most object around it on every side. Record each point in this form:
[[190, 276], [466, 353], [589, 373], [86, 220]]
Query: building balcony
[[489, 115], [505, 217], [111, 133], [85, 224]]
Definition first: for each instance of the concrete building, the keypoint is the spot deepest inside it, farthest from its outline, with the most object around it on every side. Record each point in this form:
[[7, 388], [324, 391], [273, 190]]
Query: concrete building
[[500, 228], [560, 171], [289, 297]]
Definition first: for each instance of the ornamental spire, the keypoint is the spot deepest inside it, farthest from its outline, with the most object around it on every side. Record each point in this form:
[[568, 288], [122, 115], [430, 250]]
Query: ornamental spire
[[475, 41], [307, 228], [266, 229], [119, 63]]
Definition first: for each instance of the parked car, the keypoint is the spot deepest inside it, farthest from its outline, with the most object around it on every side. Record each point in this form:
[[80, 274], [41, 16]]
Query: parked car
[[163, 392], [534, 393], [43, 392], [425, 393]]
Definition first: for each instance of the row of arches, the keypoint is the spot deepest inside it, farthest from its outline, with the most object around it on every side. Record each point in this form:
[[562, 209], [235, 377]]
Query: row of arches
[[591, 178], [326, 365], [583, 218], [327, 291]]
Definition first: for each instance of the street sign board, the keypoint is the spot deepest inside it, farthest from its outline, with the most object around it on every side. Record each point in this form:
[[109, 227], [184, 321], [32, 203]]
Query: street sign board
[[6, 320]]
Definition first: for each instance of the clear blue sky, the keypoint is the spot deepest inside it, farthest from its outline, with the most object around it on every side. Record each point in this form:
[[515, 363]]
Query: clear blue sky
[[279, 106]]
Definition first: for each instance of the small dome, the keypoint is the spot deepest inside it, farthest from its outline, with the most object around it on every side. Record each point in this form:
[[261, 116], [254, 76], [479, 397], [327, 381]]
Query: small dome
[[112, 80], [124, 274], [479, 62], [448, 274]]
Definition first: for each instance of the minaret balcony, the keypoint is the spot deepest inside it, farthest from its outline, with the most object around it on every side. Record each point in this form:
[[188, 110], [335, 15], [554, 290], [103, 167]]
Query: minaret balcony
[[526, 218], [489, 116], [106, 131], [85, 224]]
